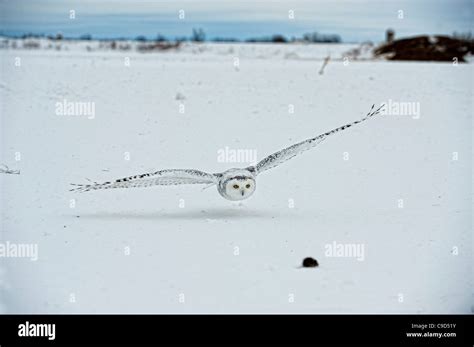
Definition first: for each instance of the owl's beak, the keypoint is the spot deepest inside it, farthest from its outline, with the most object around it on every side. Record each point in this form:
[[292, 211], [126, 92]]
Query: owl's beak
[[242, 192]]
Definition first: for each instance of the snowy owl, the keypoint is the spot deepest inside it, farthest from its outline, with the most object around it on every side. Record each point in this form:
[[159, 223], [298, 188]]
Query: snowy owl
[[233, 184]]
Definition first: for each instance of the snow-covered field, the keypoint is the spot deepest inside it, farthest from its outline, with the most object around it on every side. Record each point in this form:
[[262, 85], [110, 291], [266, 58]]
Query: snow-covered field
[[397, 188]]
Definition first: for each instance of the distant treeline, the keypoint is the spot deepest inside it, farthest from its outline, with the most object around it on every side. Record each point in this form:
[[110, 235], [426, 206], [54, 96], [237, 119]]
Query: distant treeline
[[198, 35]]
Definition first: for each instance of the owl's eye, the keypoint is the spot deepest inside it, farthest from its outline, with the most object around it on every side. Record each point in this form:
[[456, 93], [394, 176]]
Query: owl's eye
[[247, 186], [235, 186]]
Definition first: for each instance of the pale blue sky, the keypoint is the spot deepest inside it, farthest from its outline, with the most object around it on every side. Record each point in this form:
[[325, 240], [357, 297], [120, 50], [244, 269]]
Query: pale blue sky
[[353, 20]]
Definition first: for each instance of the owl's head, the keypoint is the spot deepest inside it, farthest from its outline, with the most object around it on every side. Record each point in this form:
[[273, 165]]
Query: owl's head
[[237, 185]]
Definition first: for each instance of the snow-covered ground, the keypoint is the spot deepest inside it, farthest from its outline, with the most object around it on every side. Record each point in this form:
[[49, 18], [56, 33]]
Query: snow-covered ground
[[397, 188]]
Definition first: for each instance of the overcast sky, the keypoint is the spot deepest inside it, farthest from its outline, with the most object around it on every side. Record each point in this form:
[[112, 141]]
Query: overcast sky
[[353, 20]]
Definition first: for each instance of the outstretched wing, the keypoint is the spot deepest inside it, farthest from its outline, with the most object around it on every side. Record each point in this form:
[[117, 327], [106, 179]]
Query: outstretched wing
[[285, 154], [158, 178]]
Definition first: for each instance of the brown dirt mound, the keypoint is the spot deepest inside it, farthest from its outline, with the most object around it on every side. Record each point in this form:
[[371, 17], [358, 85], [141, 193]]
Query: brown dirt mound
[[426, 48]]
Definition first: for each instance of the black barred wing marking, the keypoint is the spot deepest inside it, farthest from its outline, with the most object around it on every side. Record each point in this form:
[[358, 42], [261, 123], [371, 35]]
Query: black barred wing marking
[[277, 158], [158, 178], [280, 157]]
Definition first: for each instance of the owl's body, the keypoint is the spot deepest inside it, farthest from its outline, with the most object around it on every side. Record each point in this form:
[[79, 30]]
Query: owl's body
[[233, 184]]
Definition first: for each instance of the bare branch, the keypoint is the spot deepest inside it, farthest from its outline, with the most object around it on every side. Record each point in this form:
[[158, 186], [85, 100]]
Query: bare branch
[[325, 62]]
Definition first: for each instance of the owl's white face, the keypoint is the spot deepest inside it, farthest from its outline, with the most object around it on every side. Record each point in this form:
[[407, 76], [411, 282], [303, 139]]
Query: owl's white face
[[239, 188], [236, 184]]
